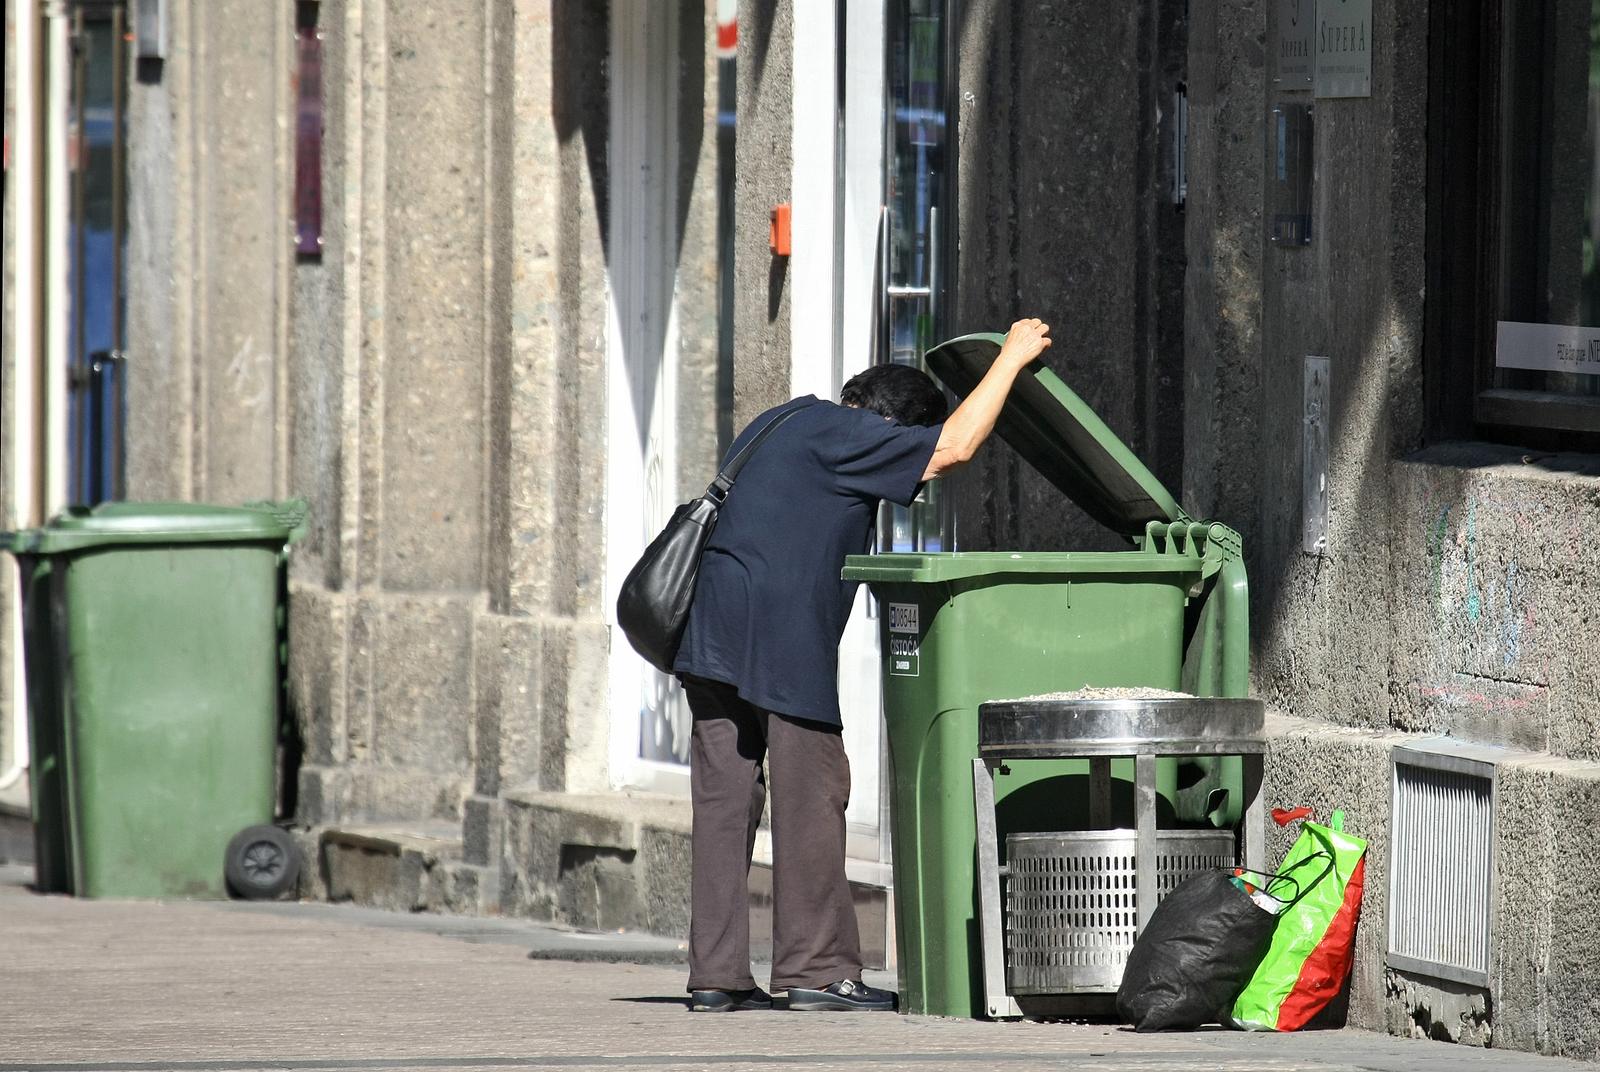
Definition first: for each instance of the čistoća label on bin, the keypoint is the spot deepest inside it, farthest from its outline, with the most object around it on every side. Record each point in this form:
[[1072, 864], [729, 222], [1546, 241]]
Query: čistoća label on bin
[[905, 640]]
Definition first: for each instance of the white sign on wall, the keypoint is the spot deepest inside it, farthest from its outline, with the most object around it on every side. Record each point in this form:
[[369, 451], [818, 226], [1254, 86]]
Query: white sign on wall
[[1293, 54], [1342, 43], [1547, 347]]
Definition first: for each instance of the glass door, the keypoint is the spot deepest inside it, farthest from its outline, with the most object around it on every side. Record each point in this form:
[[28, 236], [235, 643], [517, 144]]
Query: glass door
[[915, 216], [650, 717], [891, 189], [96, 243]]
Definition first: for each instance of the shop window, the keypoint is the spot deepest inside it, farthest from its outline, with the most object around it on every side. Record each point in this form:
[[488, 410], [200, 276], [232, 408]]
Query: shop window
[[1513, 323], [917, 214]]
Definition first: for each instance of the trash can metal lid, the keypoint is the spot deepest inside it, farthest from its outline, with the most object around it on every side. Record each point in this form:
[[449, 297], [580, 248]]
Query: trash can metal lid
[[1161, 725], [123, 523], [1060, 436]]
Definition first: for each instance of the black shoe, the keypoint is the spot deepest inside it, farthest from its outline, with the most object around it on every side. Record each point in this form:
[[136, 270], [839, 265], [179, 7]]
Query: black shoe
[[851, 995], [729, 1000]]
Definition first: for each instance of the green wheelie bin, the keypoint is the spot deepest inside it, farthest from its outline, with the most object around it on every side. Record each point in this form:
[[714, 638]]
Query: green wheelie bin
[[958, 629], [154, 640]]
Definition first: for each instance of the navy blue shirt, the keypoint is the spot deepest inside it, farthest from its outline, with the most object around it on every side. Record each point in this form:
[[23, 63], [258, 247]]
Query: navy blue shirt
[[769, 605]]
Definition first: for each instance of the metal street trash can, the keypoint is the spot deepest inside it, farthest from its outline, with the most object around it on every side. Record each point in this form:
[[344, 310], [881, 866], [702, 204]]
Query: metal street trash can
[[1074, 900], [154, 645], [959, 629]]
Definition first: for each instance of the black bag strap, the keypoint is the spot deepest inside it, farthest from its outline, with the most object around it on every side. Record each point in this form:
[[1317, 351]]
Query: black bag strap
[[717, 490], [1288, 875]]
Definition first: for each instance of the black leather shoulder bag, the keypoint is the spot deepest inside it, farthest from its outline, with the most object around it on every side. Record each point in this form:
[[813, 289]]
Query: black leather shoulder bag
[[653, 606]]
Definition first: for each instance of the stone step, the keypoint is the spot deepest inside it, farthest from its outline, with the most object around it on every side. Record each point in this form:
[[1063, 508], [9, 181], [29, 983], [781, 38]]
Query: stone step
[[621, 862], [412, 867]]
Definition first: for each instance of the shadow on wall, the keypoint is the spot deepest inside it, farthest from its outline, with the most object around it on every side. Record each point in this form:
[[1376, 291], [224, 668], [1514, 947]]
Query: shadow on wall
[[582, 80], [1065, 211]]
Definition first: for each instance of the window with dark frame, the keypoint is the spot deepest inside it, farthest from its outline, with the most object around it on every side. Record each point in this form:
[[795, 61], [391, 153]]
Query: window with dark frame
[[308, 132], [1513, 302]]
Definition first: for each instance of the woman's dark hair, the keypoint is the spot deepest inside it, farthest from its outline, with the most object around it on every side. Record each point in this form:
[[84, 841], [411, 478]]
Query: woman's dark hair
[[899, 392]]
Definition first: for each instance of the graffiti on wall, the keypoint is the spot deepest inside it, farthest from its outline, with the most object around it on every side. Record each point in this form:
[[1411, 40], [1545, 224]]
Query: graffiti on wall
[[1478, 598], [1506, 580]]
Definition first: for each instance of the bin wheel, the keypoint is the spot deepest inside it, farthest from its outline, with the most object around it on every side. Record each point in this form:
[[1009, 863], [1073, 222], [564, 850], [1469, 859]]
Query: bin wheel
[[262, 862]]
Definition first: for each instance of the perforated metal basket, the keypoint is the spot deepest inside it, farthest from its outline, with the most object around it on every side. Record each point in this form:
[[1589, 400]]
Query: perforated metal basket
[[1071, 902]]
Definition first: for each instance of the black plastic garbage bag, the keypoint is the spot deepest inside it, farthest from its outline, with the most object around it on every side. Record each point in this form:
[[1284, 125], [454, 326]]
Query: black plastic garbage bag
[[1202, 944]]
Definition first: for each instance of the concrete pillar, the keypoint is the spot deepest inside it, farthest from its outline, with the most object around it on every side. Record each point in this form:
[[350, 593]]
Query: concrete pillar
[[242, 246], [324, 342], [762, 175], [1222, 289], [209, 250], [1065, 213], [162, 228], [433, 299], [1325, 641]]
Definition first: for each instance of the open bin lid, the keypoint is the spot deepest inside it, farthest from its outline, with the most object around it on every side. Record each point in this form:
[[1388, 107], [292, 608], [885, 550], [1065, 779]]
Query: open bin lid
[[1060, 436]]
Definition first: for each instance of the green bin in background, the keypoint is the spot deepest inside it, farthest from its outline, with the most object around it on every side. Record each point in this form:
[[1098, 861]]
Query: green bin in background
[[154, 644], [958, 629]]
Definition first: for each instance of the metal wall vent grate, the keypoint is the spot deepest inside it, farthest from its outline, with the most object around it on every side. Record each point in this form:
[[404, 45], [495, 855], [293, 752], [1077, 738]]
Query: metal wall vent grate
[[1441, 868]]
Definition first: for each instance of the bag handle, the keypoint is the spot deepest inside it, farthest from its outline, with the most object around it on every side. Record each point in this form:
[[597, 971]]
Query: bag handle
[[1287, 875], [718, 489]]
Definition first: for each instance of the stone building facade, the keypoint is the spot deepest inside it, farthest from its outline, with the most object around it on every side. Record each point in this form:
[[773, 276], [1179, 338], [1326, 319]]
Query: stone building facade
[[546, 291]]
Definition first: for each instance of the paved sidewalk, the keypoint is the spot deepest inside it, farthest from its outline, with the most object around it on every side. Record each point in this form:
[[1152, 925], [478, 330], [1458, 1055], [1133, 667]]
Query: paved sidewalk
[[103, 986]]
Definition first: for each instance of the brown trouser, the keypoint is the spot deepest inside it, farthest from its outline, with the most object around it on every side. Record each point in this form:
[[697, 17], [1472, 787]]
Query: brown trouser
[[814, 937]]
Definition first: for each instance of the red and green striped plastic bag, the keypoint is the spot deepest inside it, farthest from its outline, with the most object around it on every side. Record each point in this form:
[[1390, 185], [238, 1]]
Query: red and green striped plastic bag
[[1313, 946]]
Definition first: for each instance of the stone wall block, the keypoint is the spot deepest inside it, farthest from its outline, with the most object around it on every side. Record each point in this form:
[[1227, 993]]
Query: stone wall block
[[423, 689], [361, 677], [577, 712], [243, 245], [162, 228], [375, 873], [371, 794], [528, 194], [763, 172], [434, 282], [508, 711], [483, 822], [380, 794], [1522, 941], [1425, 1008], [323, 321], [312, 885], [565, 865], [530, 517], [1223, 288], [1572, 981], [318, 624], [1494, 618], [457, 888], [1547, 941], [324, 794], [664, 856]]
